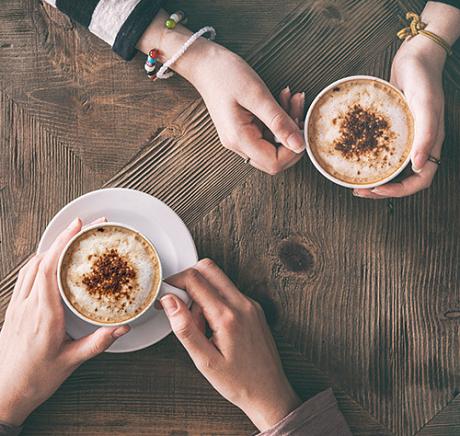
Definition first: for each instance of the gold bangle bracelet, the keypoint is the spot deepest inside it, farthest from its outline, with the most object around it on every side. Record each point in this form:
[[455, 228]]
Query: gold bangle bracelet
[[417, 27]]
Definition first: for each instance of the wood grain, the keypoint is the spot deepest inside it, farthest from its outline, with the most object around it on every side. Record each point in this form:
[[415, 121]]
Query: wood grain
[[366, 293]]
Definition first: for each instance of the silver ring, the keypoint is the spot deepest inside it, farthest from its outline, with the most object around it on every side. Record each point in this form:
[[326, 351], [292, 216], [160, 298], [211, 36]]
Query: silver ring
[[434, 160]]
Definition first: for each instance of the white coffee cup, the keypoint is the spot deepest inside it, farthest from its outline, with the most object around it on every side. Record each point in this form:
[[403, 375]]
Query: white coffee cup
[[162, 289], [312, 156]]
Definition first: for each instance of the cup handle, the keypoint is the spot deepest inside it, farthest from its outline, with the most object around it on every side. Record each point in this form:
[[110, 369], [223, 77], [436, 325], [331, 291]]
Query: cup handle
[[166, 288]]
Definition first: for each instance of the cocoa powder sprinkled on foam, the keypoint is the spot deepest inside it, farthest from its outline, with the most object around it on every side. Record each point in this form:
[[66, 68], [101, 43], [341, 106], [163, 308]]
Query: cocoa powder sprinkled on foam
[[363, 132], [111, 276]]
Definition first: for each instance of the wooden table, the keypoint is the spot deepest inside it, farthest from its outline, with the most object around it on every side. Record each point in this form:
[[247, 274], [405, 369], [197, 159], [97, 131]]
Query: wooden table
[[362, 296]]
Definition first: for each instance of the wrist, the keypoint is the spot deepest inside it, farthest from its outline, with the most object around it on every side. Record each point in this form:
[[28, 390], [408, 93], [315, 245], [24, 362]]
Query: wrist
[[271, 412], [168, 42], [425, 50], [12, 413]]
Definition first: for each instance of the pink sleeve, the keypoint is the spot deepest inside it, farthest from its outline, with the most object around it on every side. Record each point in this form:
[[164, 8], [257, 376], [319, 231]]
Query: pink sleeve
[[318, 416]]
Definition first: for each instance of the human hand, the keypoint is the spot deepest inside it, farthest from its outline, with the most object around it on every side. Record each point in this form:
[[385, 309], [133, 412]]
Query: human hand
[[418, 73], [242, 109], [240, 360], [239, 102], [36, 353]]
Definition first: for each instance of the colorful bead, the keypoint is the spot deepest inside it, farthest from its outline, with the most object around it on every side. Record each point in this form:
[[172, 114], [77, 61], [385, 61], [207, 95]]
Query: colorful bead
[[149, 68], [170, 24], [175, 19], [154, 53]]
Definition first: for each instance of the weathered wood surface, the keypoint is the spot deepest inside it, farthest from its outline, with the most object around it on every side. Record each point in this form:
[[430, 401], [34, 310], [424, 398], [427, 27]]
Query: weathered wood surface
[[360, 298]]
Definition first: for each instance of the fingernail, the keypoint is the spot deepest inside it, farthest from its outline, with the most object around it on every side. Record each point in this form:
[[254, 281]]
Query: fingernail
[[303, 95], [357, 194], [169, 304], [418, 162], [74, 223], [377, 191], [296, 142], [416, 170], [120, 331], [287, 89]]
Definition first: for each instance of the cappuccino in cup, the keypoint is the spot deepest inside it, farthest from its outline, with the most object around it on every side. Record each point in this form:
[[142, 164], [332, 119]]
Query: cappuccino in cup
[[359, 132], [109, 274]]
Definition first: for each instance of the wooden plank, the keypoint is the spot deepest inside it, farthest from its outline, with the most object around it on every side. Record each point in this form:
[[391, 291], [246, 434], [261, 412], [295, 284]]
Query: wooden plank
[[42, 175], [309, 381], [446, 422]]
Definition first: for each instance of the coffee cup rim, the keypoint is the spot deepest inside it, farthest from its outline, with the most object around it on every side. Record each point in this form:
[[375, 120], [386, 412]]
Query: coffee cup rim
[[312, 156], [84, 230]]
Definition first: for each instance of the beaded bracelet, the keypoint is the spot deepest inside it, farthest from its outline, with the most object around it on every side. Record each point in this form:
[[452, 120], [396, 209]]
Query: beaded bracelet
[[151, 63], [163, 72]]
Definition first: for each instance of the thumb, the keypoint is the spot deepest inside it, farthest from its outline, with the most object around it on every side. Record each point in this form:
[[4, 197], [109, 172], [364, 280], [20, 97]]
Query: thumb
[[283, 127], [187, 331], [90, 346], [426, 132]]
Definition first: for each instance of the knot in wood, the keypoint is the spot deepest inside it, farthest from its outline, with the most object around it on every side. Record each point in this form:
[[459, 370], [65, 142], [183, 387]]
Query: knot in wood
[[295, 256]]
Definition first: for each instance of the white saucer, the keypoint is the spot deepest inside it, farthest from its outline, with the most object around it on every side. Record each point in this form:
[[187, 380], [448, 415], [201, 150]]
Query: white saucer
[[157, 222]]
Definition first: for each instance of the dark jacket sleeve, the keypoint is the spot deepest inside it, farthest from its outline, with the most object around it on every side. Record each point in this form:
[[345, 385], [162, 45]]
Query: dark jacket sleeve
[[120, 23], [318, 416], [455, 3]]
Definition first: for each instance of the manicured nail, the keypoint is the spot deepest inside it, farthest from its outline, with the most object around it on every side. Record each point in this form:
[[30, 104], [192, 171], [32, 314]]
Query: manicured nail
[[169, 304], [418, 162], [296, 142], [74, 223], [120, 331], [287, 89]]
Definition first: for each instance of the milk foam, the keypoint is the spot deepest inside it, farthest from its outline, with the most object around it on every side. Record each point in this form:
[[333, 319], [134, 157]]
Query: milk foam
[[324, 130], [78, 263]]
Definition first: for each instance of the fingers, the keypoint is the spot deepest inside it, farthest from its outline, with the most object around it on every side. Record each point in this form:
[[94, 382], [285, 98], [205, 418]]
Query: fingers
[[19, 281], [427, 124], [202, 293], [47, 286], [90, 346], [277, 120], [189, 334], [265, 156], [297, 108], [29, 273], [51, 257], [98, 221], [197, 315], [409, 186], [285, 99], [367, 193], [219, 280]]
